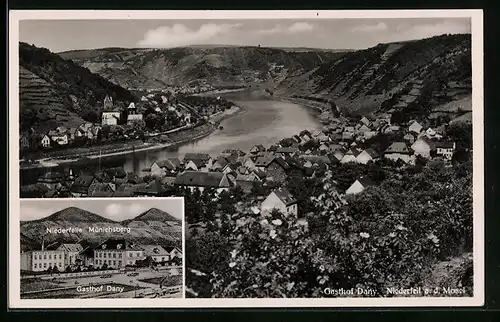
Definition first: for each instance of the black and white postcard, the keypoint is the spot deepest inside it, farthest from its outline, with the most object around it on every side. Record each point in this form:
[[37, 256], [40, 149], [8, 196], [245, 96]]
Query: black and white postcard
[[330, 158]]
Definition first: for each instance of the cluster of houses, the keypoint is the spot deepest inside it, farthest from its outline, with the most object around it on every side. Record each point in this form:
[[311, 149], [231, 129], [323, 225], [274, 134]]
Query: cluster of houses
[[60, 136], [308, 153], [112, 253]]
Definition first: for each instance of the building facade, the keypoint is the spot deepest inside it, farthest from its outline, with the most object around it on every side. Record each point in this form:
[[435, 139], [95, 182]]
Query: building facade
[[42, 260]]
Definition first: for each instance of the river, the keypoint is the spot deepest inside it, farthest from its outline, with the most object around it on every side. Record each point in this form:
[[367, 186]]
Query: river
[[259, 122]]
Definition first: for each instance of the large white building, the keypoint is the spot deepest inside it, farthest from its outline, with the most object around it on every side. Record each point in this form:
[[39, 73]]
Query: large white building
[[117, 253], [42, 260]]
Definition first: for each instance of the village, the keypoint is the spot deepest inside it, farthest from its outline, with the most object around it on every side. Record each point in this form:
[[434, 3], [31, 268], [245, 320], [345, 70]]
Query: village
[[360, 141], [110, 254], [155, 116]]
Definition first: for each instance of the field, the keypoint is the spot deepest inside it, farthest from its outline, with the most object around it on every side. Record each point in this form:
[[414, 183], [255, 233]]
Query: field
[[171, 281], [74, 293]]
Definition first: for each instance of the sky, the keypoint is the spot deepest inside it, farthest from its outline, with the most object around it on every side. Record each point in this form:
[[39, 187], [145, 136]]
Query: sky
[[63, 35], [116, 209]]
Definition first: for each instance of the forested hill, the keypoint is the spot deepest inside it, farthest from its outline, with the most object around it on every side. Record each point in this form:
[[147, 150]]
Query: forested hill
[[55, 91], [409, 76], [217, 65]]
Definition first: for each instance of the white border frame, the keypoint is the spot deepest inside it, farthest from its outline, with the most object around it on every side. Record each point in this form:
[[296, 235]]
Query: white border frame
[[476, 17]]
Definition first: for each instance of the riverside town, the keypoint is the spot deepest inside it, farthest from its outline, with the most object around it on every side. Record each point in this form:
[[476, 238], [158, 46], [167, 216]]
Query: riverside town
[[301, 168]]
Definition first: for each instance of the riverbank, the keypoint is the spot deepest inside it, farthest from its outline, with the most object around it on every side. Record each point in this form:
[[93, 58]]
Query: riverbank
[[220, 91], [321, 110], [159, 142]]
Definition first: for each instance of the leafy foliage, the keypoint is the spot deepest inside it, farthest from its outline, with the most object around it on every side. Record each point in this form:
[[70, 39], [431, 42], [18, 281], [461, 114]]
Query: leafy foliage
[[391, 235]]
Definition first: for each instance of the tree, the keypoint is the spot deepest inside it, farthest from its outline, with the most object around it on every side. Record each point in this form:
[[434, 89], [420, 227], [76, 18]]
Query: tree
[[269, 258]]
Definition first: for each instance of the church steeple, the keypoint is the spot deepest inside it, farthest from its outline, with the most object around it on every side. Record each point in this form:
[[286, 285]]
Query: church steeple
[[108, 102]]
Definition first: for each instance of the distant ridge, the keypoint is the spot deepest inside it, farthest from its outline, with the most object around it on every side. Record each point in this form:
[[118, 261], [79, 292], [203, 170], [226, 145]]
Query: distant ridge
[[74, 214]]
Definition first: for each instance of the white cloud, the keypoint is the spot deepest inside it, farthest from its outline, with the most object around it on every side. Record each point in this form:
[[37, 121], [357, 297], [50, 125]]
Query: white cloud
[[180, 35], [300, 27], [293, 28], [112, 210], [380, 26]]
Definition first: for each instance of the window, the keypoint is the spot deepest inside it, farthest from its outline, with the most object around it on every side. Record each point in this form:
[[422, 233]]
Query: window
[[120, 255], [44, 265], [60, 256], [104, 255], [114, 263], [50, 256], [35, 257], [130, 255], [60, 265], [114, 255], [34, 265], [44, 256]]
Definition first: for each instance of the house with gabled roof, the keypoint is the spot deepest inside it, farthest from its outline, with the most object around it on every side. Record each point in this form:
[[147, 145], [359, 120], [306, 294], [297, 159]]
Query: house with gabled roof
[[98, 189], [156, 252], [351, 155], [81, 185], [415, 127], [424, 147], [220, 163], [338, 154], [367, 155], [365, 121], [161, 168], [45, 141], [200, 161], [281, 200], [71, 252], [364, 128], [51, 180], [359, 185], [305, 136], [398, 151], [175, 252], [257, 148]]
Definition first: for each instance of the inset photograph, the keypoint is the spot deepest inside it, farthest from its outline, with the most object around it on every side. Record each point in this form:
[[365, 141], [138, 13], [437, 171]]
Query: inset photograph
[[119, 248]]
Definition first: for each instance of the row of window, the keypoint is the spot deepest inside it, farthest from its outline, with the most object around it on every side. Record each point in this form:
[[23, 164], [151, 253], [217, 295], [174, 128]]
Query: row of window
[[116, 255], [103, 255], [108, 262], [45, 265], [45, 256]]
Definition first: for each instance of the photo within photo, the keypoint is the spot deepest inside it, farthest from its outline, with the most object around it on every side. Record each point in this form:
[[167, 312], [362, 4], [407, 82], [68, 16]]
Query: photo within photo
[[101, 249]]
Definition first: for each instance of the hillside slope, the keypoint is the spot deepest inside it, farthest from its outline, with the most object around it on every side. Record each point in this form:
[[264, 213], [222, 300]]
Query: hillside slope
[[54, 91], [153, 231], [217, 65], [154, 214], [411, 76]]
